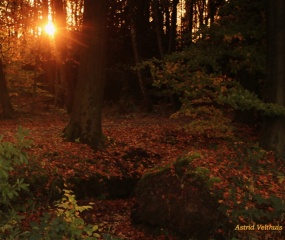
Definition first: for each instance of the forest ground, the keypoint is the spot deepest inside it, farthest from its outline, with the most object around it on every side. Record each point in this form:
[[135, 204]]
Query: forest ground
[[156, 138]]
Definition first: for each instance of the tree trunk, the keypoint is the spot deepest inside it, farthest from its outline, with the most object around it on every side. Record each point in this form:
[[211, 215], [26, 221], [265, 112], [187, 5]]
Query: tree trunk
[[189, 21], [132, 10], [62, 85], [273, 134], [85, 121], [7, 109], [158, 21], [142, 16], [201, 12], [166, 5], [172, 33]]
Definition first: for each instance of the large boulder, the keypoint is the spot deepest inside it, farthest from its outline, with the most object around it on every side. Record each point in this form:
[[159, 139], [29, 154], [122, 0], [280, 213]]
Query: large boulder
[[178, 198]]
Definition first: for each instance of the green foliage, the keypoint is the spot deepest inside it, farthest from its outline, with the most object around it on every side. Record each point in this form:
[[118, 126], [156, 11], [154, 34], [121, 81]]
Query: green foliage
[[19, 52], [12, 156], [220, 72], [240, 98], [182, 167], [245, 201], [182, 163], [183, 75], [239, 37], [109, 237], [207, 96], [204, 173], [254, 208], [249, 157], [65, 223]]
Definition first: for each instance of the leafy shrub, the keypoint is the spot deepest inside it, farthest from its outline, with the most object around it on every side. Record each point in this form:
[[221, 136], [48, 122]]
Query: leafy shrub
[[64, 222], [12, 155], [207, 96], [247, 200], [221, 71]]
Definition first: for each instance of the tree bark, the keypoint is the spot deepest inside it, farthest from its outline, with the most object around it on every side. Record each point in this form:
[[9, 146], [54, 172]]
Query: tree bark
[[7, 109], [137, 57], [64, 83], [273, 134], [158, 21], [201, 11], [173, 32], [189, 18], [85, 122], [166, 6]]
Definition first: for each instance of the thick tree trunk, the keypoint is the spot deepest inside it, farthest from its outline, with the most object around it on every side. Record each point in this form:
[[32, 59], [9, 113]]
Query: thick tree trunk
[[85, 121], [7, 109], [273, 134]]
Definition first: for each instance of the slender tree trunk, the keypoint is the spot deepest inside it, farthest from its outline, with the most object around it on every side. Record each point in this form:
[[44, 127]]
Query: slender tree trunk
[[211, 12], [7, 109], [158, 21], [189, 17], [85, 122], [273, 134], [49, 67], [166, 6], [142, 25], [172, 33], [132, 10], [61, 49], [201, 10]]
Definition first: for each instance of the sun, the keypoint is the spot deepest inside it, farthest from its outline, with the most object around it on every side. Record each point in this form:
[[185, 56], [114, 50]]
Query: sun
[[50, 29]]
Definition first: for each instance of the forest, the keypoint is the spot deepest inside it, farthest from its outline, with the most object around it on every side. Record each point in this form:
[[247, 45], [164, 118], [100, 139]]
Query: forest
[[142, 119]]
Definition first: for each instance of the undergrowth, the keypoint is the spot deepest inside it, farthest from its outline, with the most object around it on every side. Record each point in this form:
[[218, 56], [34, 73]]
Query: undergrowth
[[62, 221], [243, 200]]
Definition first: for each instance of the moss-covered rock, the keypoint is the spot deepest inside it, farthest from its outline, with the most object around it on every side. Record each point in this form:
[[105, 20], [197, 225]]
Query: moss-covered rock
[[178, 198]]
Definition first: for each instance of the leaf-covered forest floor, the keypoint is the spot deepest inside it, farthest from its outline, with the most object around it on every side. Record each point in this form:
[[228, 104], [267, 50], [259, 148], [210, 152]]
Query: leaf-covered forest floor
[[136, 142]]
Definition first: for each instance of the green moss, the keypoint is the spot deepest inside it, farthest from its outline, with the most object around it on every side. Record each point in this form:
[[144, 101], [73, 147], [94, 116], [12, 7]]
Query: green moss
[[180, 168], [182, 164], [158, 170]]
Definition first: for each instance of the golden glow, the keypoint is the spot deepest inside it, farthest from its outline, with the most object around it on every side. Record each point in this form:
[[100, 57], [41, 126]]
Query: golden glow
[[50, 29]]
